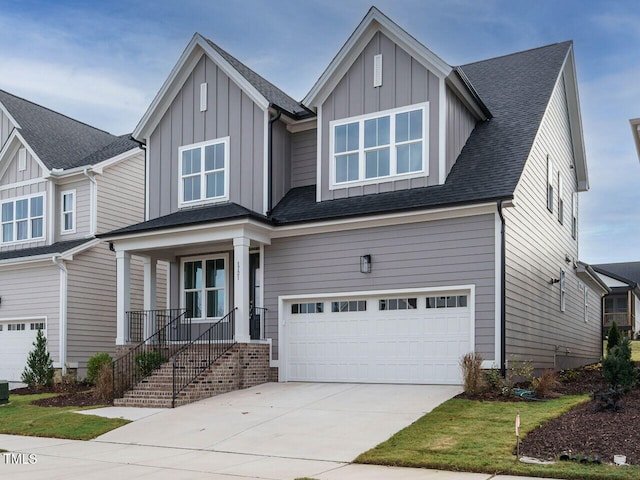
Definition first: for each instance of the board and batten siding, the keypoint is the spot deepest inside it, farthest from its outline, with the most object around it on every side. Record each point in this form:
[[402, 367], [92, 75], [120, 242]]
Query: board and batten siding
[[121, 194], [460, 124], [304, 152], [230, 112], [33, 292], [405, 82], [12, 174], [280, 162], [536, 247], [451, 252]]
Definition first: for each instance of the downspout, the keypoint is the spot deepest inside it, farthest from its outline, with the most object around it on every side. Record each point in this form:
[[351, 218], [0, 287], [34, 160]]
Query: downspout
[[92, 200], [503, 303], [62, 333], [272, 120]]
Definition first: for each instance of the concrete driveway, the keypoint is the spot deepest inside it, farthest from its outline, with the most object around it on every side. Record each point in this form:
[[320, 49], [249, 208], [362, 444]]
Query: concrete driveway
[[311, 421]]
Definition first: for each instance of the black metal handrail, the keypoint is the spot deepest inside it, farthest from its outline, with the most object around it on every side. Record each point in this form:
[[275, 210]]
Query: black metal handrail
[[154, 320], [257, 318], [146, 357], [190, 362]]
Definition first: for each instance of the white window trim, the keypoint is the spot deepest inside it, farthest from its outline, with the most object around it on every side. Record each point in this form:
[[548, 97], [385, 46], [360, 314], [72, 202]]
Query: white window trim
[[560, 200], [227, 282], [63, 212], [549, 195], [360, 119], [15, 230], [586, 304], [204, 201], [563, 291], [574, 215]]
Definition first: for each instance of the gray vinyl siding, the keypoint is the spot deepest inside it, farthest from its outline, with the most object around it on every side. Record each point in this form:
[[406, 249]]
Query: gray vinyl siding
[[13, 175], [6, 127], [460, 124], [430, 254], [230, 113], [405, 82], [304, 154], [121, 194], [281, 162], [33, 292], [536, 246], [82, 189]]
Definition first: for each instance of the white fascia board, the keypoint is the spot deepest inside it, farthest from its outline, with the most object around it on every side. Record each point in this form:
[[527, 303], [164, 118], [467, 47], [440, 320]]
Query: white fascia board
[[197, 47], [15, 141], [25, 261], [372, 221], [635, 130], [588, 275], [6, 112], [575, 120], [68, 255], [375, 21]]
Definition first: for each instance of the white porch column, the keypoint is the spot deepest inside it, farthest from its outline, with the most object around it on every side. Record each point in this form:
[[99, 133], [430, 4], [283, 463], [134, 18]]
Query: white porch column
[[241, 288], [150, 302], [123, 290]]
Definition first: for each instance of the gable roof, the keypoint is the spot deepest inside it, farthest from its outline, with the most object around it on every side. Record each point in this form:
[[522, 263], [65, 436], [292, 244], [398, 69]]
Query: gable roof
[[626, 272], [60, 141]]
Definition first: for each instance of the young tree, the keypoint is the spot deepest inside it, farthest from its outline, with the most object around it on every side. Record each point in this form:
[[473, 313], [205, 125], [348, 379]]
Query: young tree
[[617, 367], [39, 370], [613, 337]]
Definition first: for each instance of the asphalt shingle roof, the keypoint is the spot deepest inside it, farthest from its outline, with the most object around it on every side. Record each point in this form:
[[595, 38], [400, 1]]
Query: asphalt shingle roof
[[272, 93], [628, 272], [60, 141], [56, 248]]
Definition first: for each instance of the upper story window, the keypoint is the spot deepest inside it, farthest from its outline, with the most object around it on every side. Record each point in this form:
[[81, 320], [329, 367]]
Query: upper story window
[[376, 147], [574, 215], [68, 218], [560, 200], [22, 219], [204, 172], [549, 183]]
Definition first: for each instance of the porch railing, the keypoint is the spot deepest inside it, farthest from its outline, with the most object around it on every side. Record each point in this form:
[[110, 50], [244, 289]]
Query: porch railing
[[622, 319], [257, 318], [150, 321], [146, 357], [194, 358]]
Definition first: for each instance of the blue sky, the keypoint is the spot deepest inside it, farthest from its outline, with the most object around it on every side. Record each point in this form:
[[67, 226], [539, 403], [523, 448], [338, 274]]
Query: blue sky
[[103, 62]]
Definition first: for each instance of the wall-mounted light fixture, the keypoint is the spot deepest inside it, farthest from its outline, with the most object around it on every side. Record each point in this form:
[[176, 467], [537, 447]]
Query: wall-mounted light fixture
[[554, 280], [365, 264]]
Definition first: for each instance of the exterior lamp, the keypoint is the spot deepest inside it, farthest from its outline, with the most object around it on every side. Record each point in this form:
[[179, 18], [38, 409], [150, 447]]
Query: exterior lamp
[[365, 264]]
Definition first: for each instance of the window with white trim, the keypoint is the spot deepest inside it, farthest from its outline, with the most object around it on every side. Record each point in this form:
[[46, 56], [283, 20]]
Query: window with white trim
[[398, 304], [574, 215], [15, 327], [560, 200], [449, 301], [377, 147], [22, 219], [549, 184], [204, 172], [68, 215], [349, 306], [563, 291], [37, 326], [301, 308], [586, 304], [204, 287]]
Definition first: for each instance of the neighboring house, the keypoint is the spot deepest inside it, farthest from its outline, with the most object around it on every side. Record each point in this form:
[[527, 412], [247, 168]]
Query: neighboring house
[[635, 130], [61, 182], [405, 213], [623, 303]]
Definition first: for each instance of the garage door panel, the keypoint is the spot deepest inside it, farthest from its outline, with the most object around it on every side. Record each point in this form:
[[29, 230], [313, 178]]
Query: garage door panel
[[15, 346], [420, 345]]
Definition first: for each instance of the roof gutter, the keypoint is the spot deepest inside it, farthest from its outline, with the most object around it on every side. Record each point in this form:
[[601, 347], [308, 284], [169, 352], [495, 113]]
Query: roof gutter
[[272, 120], [62, 332]]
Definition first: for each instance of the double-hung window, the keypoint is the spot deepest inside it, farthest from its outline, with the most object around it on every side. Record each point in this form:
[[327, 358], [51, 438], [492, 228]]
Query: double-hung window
[[379, 147], [68, 205], [22, 219], [204, 286], [204, 172]]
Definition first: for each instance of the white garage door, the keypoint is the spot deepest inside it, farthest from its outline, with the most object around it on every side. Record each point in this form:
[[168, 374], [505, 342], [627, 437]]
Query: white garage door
[[410, 338], [16, 341]]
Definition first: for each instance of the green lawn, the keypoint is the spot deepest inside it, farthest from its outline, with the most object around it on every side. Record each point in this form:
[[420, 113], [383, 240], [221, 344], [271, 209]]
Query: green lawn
[[19, 417], [464, 435], [635, 350]]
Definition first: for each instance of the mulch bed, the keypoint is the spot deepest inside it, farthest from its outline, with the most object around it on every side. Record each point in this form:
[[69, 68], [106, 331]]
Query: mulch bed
[[75, 395], [583, 431]]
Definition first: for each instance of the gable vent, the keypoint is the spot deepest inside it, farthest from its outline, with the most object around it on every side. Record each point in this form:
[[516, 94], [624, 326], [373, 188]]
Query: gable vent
[[22, 159], [203, 97], [377, 70]]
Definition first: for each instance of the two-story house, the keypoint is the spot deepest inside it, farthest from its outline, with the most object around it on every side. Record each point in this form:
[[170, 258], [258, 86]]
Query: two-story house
[[61, 183], [404, 213]]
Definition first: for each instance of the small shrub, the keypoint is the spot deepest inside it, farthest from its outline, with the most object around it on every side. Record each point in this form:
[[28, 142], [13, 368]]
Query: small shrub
[[613, 337], [545, 383], [617, 368], [39, 370], [95, 364], [147, 362], [493, 379], [104, 383], [568, 376], [68, 380], [471, 365]]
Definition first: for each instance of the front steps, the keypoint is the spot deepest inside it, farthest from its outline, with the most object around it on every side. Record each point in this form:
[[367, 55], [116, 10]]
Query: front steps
[[244, 365]]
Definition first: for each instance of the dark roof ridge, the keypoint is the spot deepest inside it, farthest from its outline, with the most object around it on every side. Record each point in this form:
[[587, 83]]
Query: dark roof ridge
[[570, 42], [56, 112]]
